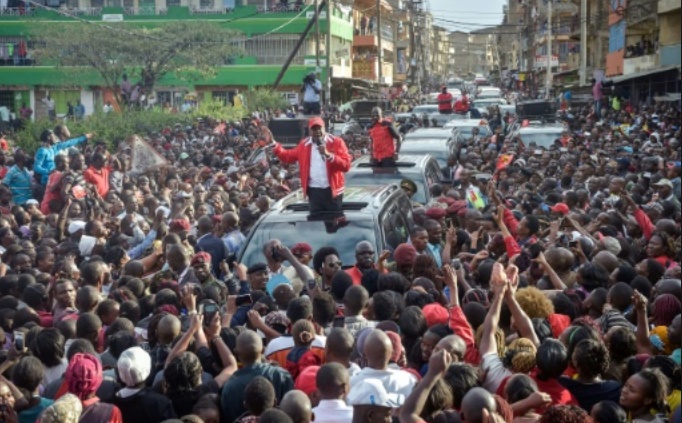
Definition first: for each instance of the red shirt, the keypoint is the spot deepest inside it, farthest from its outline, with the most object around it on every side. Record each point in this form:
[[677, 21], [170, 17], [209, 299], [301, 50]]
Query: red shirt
[[383, 146], [552, 387], [99, 178]]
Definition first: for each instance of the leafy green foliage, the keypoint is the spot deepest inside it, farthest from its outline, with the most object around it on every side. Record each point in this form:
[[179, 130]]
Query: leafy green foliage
[[108, 127], [214, 108], [263, 98], [189, 49]]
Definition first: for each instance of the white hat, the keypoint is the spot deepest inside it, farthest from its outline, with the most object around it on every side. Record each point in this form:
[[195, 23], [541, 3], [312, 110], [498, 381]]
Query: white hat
[[75, 226], [372, 392], [134, 366], [32, 201]]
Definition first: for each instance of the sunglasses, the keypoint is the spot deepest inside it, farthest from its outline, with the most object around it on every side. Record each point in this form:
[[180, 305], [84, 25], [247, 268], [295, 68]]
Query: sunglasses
[[335, 264]]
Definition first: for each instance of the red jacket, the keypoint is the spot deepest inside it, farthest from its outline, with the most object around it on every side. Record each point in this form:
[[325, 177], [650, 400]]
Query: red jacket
[[382, 141], [336, 166], [444, 102]]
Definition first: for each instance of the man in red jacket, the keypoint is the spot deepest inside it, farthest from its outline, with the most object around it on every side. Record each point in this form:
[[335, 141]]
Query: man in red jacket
[[385, 140], [445, 102], [322, 160]]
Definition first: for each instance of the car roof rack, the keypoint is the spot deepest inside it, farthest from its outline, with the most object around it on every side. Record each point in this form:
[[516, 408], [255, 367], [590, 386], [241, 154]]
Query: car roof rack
[[352, 205], [369, 165]]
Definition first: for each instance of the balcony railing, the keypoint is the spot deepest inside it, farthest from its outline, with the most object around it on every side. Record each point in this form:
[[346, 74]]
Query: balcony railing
[[197, 10], [282, 8], [144, 11], [16, 11], [84, 11]]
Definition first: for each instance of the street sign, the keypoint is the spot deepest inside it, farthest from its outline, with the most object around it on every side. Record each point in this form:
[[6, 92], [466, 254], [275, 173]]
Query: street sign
[[117, 17], [541, 61]]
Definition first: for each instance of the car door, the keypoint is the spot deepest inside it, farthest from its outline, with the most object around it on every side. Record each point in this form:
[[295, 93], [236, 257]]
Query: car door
[[394, 226]]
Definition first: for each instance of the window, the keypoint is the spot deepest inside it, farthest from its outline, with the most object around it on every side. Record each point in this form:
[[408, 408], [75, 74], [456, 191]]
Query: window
[[62, 98], [206, 4], [223, 96], [395, 228], [172, 3]]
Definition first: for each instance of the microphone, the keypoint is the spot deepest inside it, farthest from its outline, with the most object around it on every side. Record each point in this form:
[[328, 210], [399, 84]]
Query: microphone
[[318, 141]]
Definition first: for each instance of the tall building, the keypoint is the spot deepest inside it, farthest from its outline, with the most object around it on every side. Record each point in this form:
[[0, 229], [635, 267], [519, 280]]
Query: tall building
[[269, 34]]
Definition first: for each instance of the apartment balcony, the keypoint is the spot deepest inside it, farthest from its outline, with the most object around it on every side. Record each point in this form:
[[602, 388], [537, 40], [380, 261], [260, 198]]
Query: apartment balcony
[[369, 69], [372, 41], [642, 12], [640, 64]]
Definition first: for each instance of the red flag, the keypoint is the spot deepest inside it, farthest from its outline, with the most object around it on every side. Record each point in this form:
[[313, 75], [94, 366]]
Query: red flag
[[504, 161]]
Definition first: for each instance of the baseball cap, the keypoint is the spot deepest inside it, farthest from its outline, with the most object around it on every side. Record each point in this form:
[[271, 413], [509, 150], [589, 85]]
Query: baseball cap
[[560, 208], [372, 392], [435, 314], [134, 366], [316, 121], [301, 248], [307, 380], [664, 183]]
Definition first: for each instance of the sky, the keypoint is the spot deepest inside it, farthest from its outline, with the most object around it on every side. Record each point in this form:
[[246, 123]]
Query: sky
[[466, 15]]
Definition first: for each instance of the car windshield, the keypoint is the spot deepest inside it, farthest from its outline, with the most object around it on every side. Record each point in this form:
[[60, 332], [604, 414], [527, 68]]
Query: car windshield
[[541, 139], [314, 233], [486, 103], [387, 178], [466, 131]]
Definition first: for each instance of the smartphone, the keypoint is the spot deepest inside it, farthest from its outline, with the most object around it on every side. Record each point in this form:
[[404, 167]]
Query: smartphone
[[19, 342], [311, 285], [456, 264], [243, 300], [209, 311], [339, 322], [573, 244]]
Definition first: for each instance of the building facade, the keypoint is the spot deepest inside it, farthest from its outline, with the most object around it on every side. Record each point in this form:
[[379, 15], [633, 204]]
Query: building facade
[[269, 34]]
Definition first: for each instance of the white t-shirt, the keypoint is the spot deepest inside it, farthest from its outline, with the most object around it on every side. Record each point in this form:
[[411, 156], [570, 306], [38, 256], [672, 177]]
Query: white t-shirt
[[395, 381], [333, 411], [318, 169], [496, 372], [309, 95]]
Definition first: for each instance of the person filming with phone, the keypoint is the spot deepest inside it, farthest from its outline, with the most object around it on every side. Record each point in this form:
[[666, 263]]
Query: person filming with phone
[[323, 160]]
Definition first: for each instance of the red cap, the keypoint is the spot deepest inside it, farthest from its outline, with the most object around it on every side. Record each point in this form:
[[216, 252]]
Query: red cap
[[436, 213], [200, 258], [448, 201], [457, 206], [435, 314], [405, 254], [316, 121], [179, 225], [301, 248], [307, 380], [560, 208]]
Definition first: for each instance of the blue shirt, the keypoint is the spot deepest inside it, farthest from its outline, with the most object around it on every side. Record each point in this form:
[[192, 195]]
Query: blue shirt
[[44, 160], [19, 183], [436, 251], [234, 241]]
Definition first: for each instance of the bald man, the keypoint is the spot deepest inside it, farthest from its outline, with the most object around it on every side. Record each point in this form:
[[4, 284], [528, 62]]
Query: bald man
[[365, 257], [249, 352], [378, 350], [332, 385], [297, 406], [339, 348], [454, 345], [473, 404]]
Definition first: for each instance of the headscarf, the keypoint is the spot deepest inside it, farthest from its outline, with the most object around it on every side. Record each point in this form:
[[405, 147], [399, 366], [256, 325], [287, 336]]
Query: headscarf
[[84, 375], [66, 409]]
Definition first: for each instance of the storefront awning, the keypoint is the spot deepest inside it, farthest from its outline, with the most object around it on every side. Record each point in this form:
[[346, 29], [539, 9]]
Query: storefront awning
[[668, 97], [619, 79]]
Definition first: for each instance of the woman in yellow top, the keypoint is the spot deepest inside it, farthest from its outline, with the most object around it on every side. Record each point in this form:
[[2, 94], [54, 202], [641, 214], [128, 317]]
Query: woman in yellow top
[[672, 371], [643, 392]]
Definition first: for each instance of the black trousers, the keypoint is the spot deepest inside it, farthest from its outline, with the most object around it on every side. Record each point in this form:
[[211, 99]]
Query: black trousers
[[385, 162], [321, 201]]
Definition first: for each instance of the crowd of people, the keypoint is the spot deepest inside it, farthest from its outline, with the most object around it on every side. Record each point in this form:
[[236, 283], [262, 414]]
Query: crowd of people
[[542, 286]]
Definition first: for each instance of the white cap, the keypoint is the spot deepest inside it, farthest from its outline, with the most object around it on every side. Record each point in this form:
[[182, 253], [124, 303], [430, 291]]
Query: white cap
[[75, 226], [134, 366], [32, 202], [372, 392]]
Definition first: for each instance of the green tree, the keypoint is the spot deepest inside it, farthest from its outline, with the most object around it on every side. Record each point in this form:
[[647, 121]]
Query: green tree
[[264, 98], [191, 50]]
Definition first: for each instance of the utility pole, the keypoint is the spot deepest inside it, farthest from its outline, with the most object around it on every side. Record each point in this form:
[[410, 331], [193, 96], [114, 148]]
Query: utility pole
[[330, 12], [317, 35], [413, 44], [583, 43], [381, 51], [548, 87]]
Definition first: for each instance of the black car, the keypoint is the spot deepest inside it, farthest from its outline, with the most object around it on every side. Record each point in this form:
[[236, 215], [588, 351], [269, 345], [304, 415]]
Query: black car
[[422, 169], [381, 215]]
